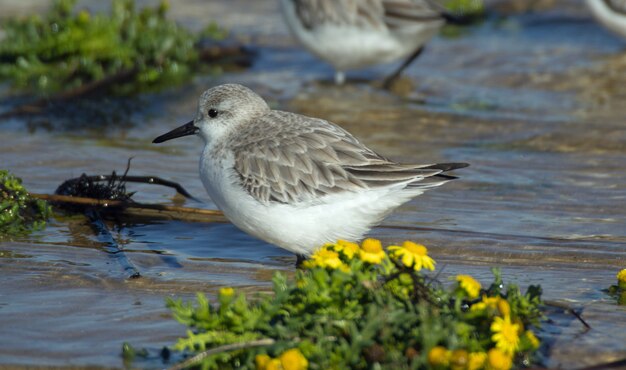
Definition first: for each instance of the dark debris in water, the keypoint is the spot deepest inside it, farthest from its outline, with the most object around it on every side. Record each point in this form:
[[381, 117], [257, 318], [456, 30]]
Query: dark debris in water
[[100, 187]]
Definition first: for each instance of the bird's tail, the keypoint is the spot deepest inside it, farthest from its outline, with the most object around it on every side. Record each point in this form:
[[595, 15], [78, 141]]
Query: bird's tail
[[463, 16], [445, 167]]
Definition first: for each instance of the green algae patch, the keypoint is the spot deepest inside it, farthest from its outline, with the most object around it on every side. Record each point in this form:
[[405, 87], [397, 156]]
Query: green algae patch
[[128, 50], [20, 213], [467, 12], [363, 307]]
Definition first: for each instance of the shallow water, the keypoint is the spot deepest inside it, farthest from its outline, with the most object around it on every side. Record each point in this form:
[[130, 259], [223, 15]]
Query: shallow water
[[534, 102]]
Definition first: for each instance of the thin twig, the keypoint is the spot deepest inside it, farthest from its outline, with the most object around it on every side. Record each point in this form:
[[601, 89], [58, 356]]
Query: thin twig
[[225, 348], [569, 309]]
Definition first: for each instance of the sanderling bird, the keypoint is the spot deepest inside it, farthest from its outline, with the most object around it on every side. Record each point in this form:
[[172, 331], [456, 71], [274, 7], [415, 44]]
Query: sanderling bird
[[352, 34], [611, 13], [295, 181]]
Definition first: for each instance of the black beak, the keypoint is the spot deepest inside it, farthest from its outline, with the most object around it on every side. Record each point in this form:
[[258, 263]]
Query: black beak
[[184, 130]]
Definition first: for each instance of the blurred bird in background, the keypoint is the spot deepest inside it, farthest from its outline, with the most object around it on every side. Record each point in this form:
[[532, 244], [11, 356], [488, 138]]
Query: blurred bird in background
[[352, 34]]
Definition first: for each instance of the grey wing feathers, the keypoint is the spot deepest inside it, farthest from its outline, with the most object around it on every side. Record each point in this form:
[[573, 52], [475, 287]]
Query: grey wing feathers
[[367, 14], [306, 158], [407, 13]]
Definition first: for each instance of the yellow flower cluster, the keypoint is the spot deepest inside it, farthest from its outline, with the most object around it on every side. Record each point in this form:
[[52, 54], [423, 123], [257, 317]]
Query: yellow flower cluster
[[348, 248], [507, 335], [372, 251], [227, 291], [469, 285], [413, 255], [337, 255], [498, 360], [326, 258], [494, 305], [291, 359], [441, 358], [495, 359]]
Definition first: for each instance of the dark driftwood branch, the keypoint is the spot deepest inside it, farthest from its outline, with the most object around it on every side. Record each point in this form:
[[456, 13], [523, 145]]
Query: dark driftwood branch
[[140, 179], [141, 209]]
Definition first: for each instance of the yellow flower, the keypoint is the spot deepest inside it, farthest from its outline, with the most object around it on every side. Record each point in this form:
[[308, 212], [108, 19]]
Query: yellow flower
[[498, 360], [348, 248], [476, 360], [274, 364], [293, 359], [227, 291], [438, 356], [493, 304], [262, 361], [504, 307], [413, 255], [621, 279], [83, 17], [505, 334], [325, 258], [469, 284], [459, 359], [372, 251], [532, 339]]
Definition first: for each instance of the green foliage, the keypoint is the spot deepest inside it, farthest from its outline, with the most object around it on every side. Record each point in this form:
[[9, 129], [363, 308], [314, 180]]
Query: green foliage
[[470, 11], [65, 49], [472, 8], [19, 212], [363, 313], [618, 290]]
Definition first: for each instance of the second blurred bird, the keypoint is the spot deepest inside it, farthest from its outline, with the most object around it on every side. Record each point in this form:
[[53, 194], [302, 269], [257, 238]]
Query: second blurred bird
[[351, 34]]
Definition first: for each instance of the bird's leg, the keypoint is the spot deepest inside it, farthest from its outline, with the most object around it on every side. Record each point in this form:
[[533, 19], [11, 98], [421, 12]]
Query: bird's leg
[[389, 80], [340, 77], [300, 258]]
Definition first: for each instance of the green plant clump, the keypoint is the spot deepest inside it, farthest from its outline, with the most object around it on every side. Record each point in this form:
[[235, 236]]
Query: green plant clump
[[619, 290], [19, 212], [472, 8], [364, 307], [470, 12], [65, 49]]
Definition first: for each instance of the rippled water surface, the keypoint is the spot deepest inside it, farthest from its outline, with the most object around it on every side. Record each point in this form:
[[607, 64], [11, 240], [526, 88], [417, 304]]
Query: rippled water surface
[[534, 102]]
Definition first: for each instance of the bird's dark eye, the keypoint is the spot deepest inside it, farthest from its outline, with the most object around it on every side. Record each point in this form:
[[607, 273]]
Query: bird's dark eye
[[212, 113]]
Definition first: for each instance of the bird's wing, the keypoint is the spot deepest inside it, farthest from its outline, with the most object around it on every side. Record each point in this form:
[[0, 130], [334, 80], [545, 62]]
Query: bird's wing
[[305, 159], [366, 14], [401, 14]]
